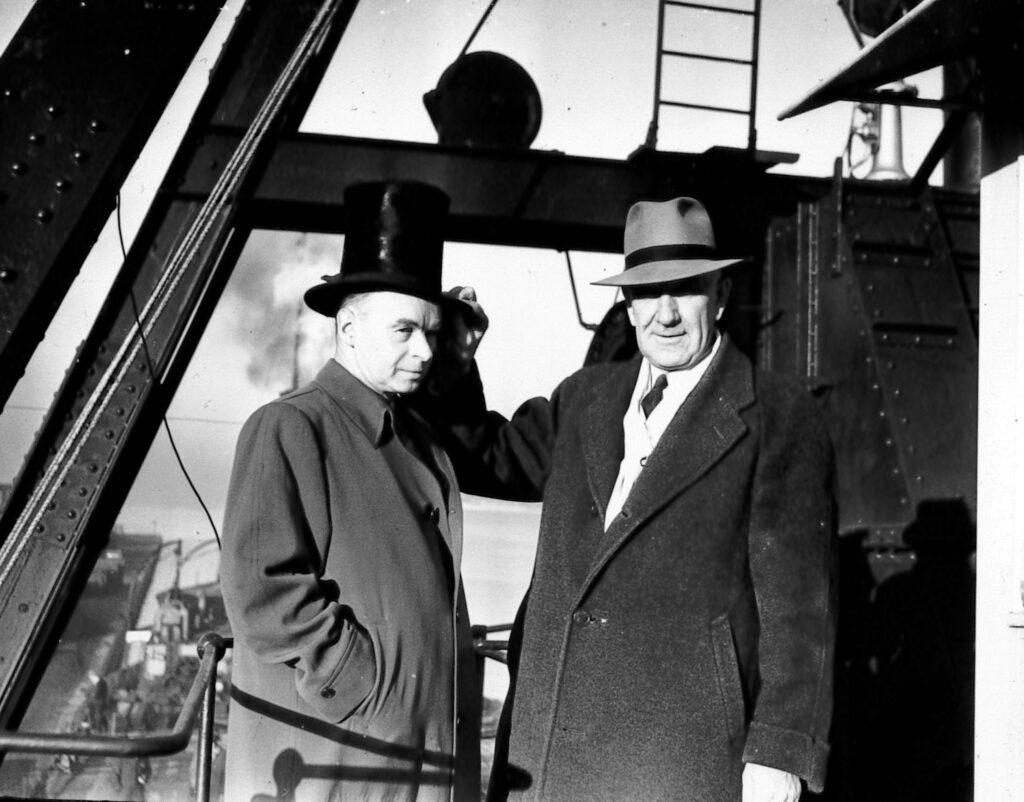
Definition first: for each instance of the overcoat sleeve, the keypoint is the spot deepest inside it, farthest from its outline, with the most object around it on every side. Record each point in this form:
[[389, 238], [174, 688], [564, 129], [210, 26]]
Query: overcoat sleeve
[[792, 564], [492, 456], [276, 534]]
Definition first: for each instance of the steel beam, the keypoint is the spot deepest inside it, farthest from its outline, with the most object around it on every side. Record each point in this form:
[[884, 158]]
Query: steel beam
[[935, 32], [81, 87], [542, 199]]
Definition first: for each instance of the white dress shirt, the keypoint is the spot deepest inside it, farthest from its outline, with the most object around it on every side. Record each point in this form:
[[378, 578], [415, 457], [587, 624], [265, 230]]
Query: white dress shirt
[[641, 434]]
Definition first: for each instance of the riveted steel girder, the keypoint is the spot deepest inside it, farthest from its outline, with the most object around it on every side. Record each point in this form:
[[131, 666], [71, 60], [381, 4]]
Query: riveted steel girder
[[872, 299], [81, 87]]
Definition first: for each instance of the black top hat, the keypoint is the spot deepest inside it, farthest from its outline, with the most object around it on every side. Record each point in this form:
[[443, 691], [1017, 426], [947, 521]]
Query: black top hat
[[394, 238]]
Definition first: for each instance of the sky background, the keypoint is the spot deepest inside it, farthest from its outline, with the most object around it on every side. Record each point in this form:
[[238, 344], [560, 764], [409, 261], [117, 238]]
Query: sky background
[[593, 63]]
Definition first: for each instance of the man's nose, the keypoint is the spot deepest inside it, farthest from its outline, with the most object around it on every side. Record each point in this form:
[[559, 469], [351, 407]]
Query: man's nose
[[420, 346], [668, 310]]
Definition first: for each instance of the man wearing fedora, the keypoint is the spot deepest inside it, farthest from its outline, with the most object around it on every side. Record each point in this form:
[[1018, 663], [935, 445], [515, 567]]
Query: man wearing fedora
[[353, 673], [676, 642]]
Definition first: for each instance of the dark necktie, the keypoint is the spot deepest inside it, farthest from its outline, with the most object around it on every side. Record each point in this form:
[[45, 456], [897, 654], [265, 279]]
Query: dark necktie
[[653, 397]]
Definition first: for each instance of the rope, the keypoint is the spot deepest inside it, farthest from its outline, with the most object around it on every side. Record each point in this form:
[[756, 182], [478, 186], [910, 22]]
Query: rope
[[214, 208]]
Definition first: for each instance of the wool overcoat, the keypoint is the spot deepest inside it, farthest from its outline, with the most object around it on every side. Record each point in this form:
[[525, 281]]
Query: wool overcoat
[[697, 632], [352, 674]]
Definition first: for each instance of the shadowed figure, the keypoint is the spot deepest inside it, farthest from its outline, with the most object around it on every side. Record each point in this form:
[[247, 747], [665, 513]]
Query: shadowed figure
[[392, 765], [904, 719], [290, 770]]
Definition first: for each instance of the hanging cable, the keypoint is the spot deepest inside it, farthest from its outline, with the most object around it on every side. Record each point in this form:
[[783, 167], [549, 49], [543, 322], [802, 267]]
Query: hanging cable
[[479, 25], [848, 15], [156, 380], [575, 296]]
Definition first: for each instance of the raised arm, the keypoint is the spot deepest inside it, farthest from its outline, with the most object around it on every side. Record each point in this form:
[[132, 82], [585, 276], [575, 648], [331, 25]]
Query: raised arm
[[492, 456]]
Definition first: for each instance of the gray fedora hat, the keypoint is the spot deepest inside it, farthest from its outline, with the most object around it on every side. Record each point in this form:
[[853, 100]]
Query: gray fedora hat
[[667, 241]]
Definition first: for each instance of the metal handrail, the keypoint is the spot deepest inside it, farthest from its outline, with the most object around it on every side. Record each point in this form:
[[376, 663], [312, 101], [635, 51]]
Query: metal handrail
[[496, 650], [199, 702]]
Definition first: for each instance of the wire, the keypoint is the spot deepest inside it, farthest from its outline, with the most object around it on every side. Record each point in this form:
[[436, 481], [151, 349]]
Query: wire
[[156, 380], [479, 25], [575, 297], [847, 10]]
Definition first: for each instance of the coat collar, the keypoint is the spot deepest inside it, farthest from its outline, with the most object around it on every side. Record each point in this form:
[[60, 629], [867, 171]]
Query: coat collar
[[704, 428], [374, 415], [369, 410]]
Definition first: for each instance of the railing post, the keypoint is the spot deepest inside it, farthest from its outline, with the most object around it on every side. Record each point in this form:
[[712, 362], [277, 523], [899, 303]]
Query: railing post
[[204, 758]]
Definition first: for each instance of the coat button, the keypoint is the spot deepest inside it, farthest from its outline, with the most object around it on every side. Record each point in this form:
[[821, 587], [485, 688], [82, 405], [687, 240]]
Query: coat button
[[581, 617], [593, 510], [458, 721], [432, 514], [327, 693]]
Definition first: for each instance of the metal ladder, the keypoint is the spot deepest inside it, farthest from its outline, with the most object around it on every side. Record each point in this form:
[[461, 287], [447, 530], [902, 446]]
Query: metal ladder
[[754, 12]]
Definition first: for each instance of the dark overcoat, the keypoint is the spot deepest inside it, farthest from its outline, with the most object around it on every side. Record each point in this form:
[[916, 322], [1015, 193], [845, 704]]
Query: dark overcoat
[[353, 675], [696, 633]]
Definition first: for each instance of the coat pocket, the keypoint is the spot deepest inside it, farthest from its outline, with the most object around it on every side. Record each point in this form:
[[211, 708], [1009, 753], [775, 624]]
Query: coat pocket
[[730, 688], [349, 684]]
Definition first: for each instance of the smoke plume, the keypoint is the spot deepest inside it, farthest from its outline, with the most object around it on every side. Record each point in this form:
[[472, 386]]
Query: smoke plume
[[287, 342]]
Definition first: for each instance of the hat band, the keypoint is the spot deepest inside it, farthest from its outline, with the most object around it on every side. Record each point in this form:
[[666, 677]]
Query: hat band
[[665, 253]]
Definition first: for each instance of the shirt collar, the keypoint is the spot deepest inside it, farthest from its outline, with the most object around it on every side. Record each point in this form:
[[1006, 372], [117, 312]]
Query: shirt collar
[[371, 412]]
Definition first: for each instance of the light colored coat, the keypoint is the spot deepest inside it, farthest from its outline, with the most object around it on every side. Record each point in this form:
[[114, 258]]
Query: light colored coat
[[696, 633], [353, 674]]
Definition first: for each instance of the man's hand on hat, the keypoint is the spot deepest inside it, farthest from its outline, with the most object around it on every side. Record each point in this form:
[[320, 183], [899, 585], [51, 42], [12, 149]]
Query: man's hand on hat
[[462, 328], [463, 332]]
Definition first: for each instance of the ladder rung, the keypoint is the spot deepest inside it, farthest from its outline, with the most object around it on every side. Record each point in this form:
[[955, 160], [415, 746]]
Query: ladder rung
[[745, 112], [706, 7], [705, 57]]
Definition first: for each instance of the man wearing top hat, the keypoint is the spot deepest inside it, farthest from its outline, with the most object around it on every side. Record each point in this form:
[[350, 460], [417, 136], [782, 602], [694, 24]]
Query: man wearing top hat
[[353, 674], [676, 642]]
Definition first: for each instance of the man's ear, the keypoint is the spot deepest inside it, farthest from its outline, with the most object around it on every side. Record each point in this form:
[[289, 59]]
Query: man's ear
[[724, 288], [345, 323]]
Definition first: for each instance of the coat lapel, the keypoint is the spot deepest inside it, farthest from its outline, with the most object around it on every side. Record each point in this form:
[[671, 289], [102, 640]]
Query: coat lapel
[[424, 446], [454, 505], [601, 432], [705, 427]]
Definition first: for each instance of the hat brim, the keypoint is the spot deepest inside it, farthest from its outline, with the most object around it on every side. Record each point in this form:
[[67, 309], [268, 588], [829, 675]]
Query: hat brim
[[326, 298], [666, 272]]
